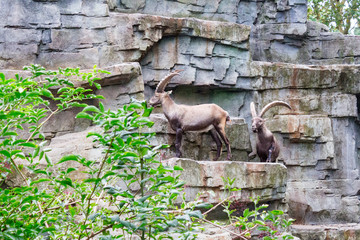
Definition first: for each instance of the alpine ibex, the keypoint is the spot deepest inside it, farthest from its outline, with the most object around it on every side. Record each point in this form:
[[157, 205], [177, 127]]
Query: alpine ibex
[[267, 147], [200, 118]]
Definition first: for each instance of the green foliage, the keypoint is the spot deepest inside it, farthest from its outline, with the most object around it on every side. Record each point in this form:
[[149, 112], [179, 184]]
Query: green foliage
[[127, 192], [268, 225], [339, 15]]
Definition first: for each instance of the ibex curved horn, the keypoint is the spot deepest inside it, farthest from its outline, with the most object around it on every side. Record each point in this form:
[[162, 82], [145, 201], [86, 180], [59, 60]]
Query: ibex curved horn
[[253, 111], [162, 84], [273, 104]]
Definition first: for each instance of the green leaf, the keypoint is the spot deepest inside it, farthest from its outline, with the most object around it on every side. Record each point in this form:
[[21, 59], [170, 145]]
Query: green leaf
[[65, 182], [127, 224], [93, 216], [101, 107], [91, 109], [108, 173], [178, 168], [204, 205], [69, 170], [48, 160], [15, 113], [263, 228], [196, 214], [10, 236], [95, 180], [28, 144], [246, 213], [2, 76], [115, 218], [40, 171], [143, 199], [97, 85], [47, 93], [9, 134], [179, 185], [259, 222], [277, 212], [39, 181], [84, 115], [5, 153], [173, 223], [69, 158], [76, 104]]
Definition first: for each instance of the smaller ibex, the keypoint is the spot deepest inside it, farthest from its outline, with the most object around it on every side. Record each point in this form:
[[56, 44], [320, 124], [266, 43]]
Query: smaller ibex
[[267, 147], [200, 118]]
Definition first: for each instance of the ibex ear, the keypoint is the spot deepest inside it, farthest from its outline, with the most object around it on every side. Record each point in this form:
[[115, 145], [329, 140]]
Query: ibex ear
[[169, 92], [265, 119]]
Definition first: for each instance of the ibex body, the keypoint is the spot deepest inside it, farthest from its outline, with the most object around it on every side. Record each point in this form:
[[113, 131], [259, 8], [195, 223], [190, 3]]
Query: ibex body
[[267, 147], [182, 118]]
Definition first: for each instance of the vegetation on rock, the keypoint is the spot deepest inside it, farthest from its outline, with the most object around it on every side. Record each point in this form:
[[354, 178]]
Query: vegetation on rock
[[127, 193]]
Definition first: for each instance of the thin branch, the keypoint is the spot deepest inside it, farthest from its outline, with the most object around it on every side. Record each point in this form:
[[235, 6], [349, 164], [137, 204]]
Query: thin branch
[[218, 205], [101, 231], [227, 230], [13, 210], [68, 204], [95, 185]]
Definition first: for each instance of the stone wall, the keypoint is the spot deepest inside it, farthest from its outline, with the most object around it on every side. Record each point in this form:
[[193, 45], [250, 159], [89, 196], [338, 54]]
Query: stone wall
[[250, 51]]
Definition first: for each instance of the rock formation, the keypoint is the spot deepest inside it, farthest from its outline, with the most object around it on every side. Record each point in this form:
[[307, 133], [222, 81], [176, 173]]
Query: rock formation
[[232, 52]]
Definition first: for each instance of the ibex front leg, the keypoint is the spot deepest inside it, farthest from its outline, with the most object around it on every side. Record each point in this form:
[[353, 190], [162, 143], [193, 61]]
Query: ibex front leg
[[179, 133], [271, 149]]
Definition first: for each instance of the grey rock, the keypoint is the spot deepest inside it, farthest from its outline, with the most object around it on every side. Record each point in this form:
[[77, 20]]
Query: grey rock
[[95, 8], [321, 232], [20, 36], [205, 177]]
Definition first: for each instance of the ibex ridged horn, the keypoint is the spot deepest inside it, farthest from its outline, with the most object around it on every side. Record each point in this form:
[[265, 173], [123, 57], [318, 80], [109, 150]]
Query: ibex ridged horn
[[253, 111], [273, 104], [162, 84]]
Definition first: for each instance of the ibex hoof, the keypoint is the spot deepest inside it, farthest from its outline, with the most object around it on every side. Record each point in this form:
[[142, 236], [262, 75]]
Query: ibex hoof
[[252, 155]]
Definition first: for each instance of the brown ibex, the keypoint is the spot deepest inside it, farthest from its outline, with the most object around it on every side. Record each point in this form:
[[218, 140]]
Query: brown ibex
[[267, 147], [200, 118]]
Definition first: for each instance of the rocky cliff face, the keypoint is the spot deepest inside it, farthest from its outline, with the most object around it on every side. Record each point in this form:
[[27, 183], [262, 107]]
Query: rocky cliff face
[[232, 52]]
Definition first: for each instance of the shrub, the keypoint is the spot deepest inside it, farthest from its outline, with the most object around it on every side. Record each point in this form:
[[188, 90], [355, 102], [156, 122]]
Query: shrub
[[50, 204]]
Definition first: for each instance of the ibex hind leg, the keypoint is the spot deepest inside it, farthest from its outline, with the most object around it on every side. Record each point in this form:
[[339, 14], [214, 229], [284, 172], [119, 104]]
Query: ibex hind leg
[[222, 134], [179, 133], [217, 140]]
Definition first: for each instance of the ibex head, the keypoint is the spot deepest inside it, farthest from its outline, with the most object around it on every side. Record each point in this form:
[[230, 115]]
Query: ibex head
[[160, 93], [257, 120]]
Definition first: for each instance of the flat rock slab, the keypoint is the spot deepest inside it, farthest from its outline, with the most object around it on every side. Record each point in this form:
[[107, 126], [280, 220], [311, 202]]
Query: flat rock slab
[[327, 232], [266, 180]]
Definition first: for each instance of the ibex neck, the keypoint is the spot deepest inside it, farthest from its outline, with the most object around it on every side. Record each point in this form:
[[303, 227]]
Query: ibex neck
[[264, 134], [168, 105]]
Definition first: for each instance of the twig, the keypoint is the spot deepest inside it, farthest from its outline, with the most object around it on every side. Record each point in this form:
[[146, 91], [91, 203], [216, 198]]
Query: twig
[[102, 230], [218, 205], [95, 185], [227, 230], [68, 204]]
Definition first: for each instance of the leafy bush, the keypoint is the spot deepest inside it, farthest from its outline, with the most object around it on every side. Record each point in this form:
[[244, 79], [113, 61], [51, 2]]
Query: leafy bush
[[256, 223], [50, 204], [127, 192]]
